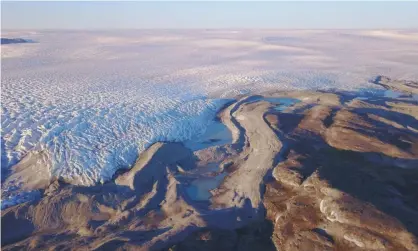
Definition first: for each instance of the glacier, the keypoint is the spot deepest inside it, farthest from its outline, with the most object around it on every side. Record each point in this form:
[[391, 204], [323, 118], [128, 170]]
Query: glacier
[[94, 100]]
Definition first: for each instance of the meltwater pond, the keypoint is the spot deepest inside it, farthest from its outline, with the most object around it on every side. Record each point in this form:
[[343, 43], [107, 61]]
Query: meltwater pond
[[369, 93], [199, 189], [282, 103], [216, 134]]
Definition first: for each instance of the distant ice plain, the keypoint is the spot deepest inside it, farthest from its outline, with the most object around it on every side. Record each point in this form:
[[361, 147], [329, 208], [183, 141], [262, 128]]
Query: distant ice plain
[[95, 99]]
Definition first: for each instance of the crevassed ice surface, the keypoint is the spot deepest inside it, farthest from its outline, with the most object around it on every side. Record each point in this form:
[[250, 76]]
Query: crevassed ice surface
[[95, 99]]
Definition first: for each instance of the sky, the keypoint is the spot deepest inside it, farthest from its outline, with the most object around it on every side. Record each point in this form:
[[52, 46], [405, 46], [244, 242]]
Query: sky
[[199, 14]]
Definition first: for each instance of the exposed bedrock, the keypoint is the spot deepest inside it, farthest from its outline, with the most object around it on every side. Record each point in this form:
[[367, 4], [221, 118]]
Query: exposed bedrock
[[328, 173], [408, 87]]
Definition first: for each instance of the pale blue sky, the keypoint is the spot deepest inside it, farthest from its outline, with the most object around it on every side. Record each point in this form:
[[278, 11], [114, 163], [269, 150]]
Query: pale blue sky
[[138, 15]]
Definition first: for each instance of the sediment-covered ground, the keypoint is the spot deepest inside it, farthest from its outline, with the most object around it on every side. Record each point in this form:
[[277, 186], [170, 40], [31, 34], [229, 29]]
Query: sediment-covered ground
[[304, 170]]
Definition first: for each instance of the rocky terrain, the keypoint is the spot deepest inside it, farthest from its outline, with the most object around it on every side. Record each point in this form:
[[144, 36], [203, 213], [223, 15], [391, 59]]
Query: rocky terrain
[[304, 171]]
